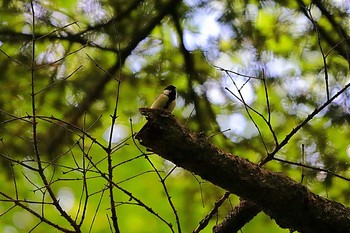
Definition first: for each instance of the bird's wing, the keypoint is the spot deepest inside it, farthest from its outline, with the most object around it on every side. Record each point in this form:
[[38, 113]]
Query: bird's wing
[[160, 102]]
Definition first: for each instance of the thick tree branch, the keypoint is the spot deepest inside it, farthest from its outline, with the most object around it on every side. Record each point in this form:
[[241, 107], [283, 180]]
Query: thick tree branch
[[290, 203]]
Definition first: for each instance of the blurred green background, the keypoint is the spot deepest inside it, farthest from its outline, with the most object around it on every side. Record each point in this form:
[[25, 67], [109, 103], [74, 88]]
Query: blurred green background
[[83, 49]]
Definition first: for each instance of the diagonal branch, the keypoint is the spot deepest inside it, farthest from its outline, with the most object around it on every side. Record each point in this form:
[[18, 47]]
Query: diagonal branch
[[303, 123], [24, 206], [238, 217], [290, 203]]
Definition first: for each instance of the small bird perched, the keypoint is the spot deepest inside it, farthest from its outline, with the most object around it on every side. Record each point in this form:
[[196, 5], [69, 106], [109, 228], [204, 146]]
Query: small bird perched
[[167, 99]]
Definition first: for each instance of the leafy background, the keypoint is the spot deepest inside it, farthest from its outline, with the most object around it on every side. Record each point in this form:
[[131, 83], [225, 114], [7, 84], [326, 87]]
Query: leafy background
[[82, 49]]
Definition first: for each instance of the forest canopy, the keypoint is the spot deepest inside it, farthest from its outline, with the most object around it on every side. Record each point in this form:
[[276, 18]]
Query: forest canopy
[[266, 81]]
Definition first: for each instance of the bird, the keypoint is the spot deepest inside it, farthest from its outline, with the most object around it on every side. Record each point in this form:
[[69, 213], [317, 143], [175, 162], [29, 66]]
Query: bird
[[167, 99]]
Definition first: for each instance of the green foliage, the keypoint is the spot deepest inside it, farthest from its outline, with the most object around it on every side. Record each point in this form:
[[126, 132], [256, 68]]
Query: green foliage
[[88, 59]]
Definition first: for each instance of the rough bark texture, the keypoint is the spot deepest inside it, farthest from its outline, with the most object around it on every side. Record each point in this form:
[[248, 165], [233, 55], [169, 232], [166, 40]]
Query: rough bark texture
[[290, 203], [239, 216]]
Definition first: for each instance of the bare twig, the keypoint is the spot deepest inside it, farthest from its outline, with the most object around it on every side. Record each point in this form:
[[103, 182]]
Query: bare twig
[[129, 194], [302, 162], [165, 188], [302, 165], [303, 123], [236, 73], [85, 190], [101, 68], [58, 81], [324, 56], [35, 136], [14, 60], [96, 211], [24, 205], [204, 222], [57, 30], [59, 60], [246, 106]]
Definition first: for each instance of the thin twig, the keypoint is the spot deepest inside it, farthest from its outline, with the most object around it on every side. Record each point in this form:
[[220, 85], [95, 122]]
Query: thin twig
[[24, 206], [103, 70], [247, 110], [58, 29], [14, 60], [60, 59], [85, 190], [303, 123], [302, 162], [96, 211], [35, 136], [312, 167], [268, 109], [129, 194], [204, 222], [165, 188], [236, 73], [59, 81], [324, 57]]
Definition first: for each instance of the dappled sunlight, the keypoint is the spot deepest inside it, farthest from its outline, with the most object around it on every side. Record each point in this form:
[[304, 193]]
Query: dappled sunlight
[[120, 132], [261, 122], [66, 198]]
